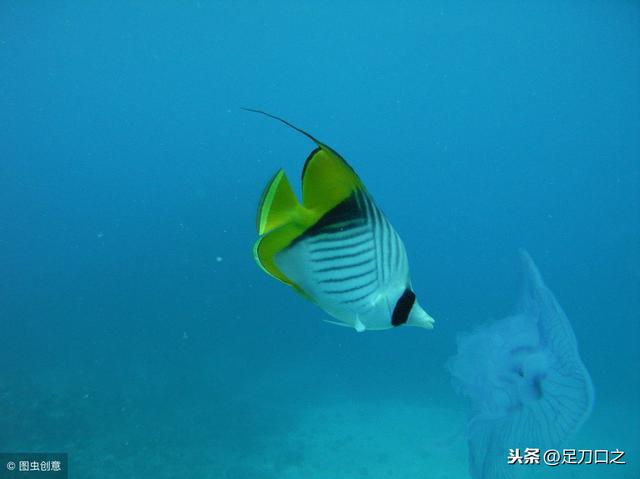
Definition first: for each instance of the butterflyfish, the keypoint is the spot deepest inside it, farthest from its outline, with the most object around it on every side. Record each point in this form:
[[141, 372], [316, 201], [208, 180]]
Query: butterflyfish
[[336, 247]]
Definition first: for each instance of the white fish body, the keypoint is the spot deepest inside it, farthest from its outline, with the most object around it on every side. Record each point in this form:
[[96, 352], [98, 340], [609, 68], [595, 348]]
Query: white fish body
[[354, 266]]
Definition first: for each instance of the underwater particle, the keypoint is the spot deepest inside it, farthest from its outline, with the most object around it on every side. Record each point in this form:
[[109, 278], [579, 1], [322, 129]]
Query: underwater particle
[[336, 248], [218, 259]]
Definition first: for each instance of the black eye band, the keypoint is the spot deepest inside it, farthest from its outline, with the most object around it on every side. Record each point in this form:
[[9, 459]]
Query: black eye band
[[403, 307]]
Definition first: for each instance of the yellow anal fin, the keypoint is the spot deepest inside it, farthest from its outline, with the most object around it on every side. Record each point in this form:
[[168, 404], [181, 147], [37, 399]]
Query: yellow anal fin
[[266, 248], [327, 180]]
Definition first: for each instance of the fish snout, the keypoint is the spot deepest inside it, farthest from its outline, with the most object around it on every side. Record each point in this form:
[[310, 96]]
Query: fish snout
[[419, 317]]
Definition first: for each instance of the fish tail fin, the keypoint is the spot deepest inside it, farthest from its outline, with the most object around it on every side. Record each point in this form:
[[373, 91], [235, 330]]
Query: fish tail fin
[[278, 205], [280, 219]]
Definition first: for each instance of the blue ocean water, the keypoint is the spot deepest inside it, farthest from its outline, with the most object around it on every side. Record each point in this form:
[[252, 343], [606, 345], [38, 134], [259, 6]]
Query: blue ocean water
[[138, 334]]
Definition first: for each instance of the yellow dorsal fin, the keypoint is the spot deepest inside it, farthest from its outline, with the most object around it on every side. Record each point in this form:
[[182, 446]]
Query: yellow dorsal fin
[[327, 180]]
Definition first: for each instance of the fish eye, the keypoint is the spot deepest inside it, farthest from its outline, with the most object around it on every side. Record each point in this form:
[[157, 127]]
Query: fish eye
[[403, 307]]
